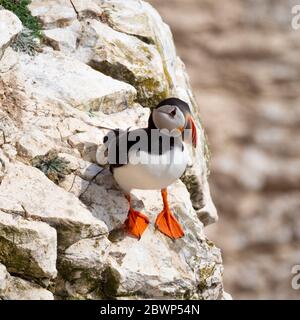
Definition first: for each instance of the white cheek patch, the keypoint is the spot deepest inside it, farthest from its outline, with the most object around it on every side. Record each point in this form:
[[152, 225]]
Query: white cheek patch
[[163, 120], [181, 118]]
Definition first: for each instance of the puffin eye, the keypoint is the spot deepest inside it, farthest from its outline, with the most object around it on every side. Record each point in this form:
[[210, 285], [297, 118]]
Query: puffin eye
[[173, 113]]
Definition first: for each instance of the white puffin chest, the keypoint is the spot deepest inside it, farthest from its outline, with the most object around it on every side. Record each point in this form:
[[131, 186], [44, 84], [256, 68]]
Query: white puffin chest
[[152, 171]]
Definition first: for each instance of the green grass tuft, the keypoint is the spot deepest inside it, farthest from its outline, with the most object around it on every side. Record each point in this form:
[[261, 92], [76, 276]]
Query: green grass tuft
[[20, 9]]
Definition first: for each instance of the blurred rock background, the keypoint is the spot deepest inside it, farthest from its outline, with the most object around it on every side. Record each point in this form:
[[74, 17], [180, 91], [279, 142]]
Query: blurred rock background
[[243, 60]]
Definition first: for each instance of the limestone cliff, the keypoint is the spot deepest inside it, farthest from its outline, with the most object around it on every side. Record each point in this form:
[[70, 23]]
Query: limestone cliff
[[96, 63]]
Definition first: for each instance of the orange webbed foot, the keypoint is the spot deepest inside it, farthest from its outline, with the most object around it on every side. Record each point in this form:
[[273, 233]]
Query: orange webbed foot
[[136, 223], [168, 224]]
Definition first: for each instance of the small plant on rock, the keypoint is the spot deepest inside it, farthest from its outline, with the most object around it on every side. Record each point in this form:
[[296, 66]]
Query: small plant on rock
[[53, 166], [25, 42]]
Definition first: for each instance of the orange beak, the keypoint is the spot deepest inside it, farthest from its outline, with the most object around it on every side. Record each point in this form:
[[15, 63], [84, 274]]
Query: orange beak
[[194, 131]]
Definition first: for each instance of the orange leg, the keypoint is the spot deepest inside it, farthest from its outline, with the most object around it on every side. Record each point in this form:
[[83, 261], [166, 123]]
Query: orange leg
[[166, 222], [136, 222]]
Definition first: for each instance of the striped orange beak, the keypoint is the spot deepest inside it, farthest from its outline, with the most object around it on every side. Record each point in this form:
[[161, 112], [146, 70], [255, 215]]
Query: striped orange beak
[[194, 131]]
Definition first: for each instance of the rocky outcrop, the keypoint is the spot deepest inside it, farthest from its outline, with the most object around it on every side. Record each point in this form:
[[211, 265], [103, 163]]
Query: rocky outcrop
[[100, 64], [14, 288], [27, 247], [10, 26], [53, 12], [26, 190]]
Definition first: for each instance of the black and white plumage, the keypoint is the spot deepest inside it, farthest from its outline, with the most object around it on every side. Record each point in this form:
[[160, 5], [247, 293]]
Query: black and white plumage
[[154, 164]]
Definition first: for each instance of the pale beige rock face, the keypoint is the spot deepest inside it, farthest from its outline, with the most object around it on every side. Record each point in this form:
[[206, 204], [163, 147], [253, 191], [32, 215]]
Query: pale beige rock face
[[140, 19], [14, 288], [125, 58], [119, 55], [129, 17], [21, 188], [81, 268], [63, 39], [34, 143], [4, 275], [10, 26], [53, 13], [28, 247], [20, 289], [55, 101], [53, 78]]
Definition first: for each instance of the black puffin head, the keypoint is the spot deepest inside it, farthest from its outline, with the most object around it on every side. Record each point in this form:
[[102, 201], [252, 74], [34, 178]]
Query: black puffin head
[[173, 114]]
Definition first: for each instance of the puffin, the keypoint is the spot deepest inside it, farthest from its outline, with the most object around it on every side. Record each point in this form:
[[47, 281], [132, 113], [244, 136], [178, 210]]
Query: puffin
[[153, 158]]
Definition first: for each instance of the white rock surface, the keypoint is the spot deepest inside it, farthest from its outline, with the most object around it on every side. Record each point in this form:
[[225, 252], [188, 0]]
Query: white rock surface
[[14, 288], [21, 188], [131, 17], [126, 58], [27, 247], [10, 26], [20, 289], [52, 78], [82, 266], [53, 13], [34, 143], [63, 39], [88, 253], [4, 275], [87, 142], [140, 19]]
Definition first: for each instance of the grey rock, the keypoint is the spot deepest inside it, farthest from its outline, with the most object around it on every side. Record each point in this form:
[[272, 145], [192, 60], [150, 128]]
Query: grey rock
[[27, 247]]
